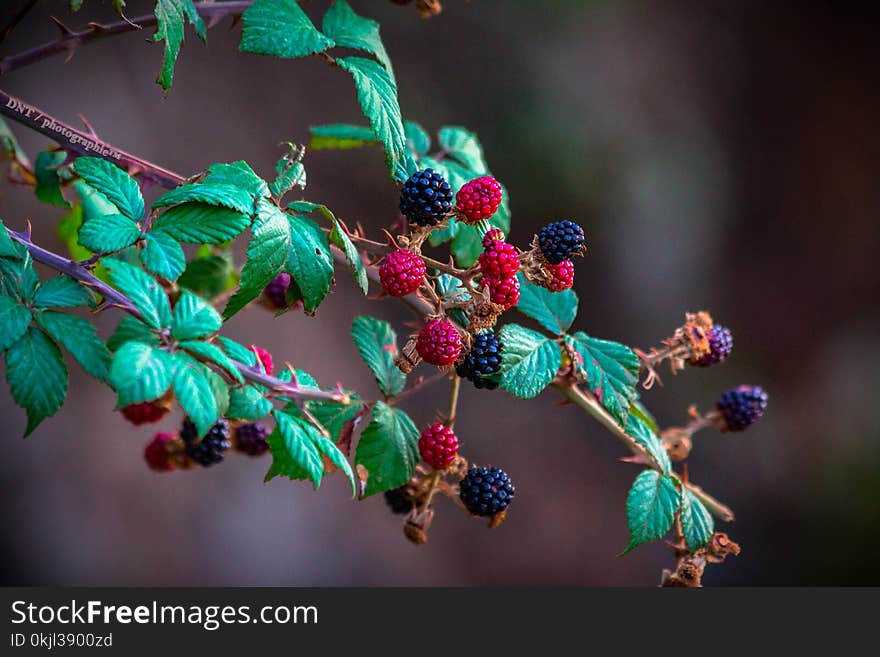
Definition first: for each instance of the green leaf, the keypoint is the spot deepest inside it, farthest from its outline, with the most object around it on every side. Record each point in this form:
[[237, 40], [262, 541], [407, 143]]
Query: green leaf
[[248, 403], [377, 95], [37, 376], [193, 317], [650, 507], [451, 290], [611, 371], [212, 353], [341, 136], [109, 233], [237, 351], [113, 183], [377, 343], [529, 361], [62, 292], [214, 194], [304, 207], [140, 372], [14, 321], [209, 276], [8, 248], [194, 392], [237, 174], [266, 255], [309, 261], [338, 419], [48, 182], [290, 172], [340, 238], [163, 255], [172, 16], [281, 29], [294, 450], [334, 454], [200, 223], [349, 30], [388, 449], [645, 437], [220, 390], [68, 233], [463, 145], [131, 329], [638, 409], [417, 138], [555, 311], [696, 522], [94, 204], [79, 337], [145, 292]]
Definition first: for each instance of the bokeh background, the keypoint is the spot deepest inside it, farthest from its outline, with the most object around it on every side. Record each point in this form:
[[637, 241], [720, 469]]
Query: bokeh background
[[720, 155]]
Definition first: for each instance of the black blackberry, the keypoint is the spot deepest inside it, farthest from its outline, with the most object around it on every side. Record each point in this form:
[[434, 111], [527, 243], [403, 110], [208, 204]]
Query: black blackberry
[[425, 198], [742, 406], [560, 240], [250, 438], [209, 450], [483, 360], [398, 501], [720, 346], [486, 491], [276, 291]]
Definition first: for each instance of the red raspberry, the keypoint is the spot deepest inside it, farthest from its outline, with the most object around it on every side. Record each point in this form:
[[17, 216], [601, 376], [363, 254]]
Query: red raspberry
[[491, 235], [156, 453], [144, 412], [562, 276], [499, 259], [439, 343], [478, 199], [438, 446], [265, 358], [401, 273], [504, 291]]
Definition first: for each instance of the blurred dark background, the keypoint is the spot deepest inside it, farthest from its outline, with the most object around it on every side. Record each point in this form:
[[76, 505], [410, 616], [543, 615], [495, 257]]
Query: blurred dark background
[[720, 156]]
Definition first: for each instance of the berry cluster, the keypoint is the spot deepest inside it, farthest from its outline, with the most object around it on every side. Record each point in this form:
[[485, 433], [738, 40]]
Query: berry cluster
[[264, 359], [486, 491], [438, 446], [483, 360], [426, 198], [145, 412], [439, 343], [401, 273], [478, 199], [720, 345], [276, 291], [741, 407], [560, 241], [209, 450], [250, 438]]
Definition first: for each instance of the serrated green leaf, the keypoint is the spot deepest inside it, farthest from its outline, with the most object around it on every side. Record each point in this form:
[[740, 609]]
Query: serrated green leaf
[[68, 233], [294, 450], [638, 409], [340, 238], [290, 172], [172, 16], [417, 138], [304, 207], [213, 194], [94, 204], [18, 277], [37, 376], [163, 255], [349, 30], [62, 292], [338, 419], [14, 321], [237, 351], [200, 223], [145, 292], [529, 361], [309, 261], [193, 317], [611, 370], [281, 29], [388, 449], [213, 354], [248, 403], [140, 372], [221, 392], [377, 95], [108, 233], [555, 311], [80, 338], [650, 507], [131, 329], [238, 174], [334, 454], [303, 378], [48, 182], [645, 437], [209, 276], [341, 136], [195, 393], [463, 145], [266, 255], [8, 248], [697, 524], [113, 183], [376, 342]]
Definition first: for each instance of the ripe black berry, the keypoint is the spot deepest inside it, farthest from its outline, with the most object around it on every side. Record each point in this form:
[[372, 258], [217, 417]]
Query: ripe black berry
[[742, 406], [398, 501], [276, 291], [251, 438], [483, 360], [560, 240], [425, 198], [720, 346], [486, 491], [209, 450]]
